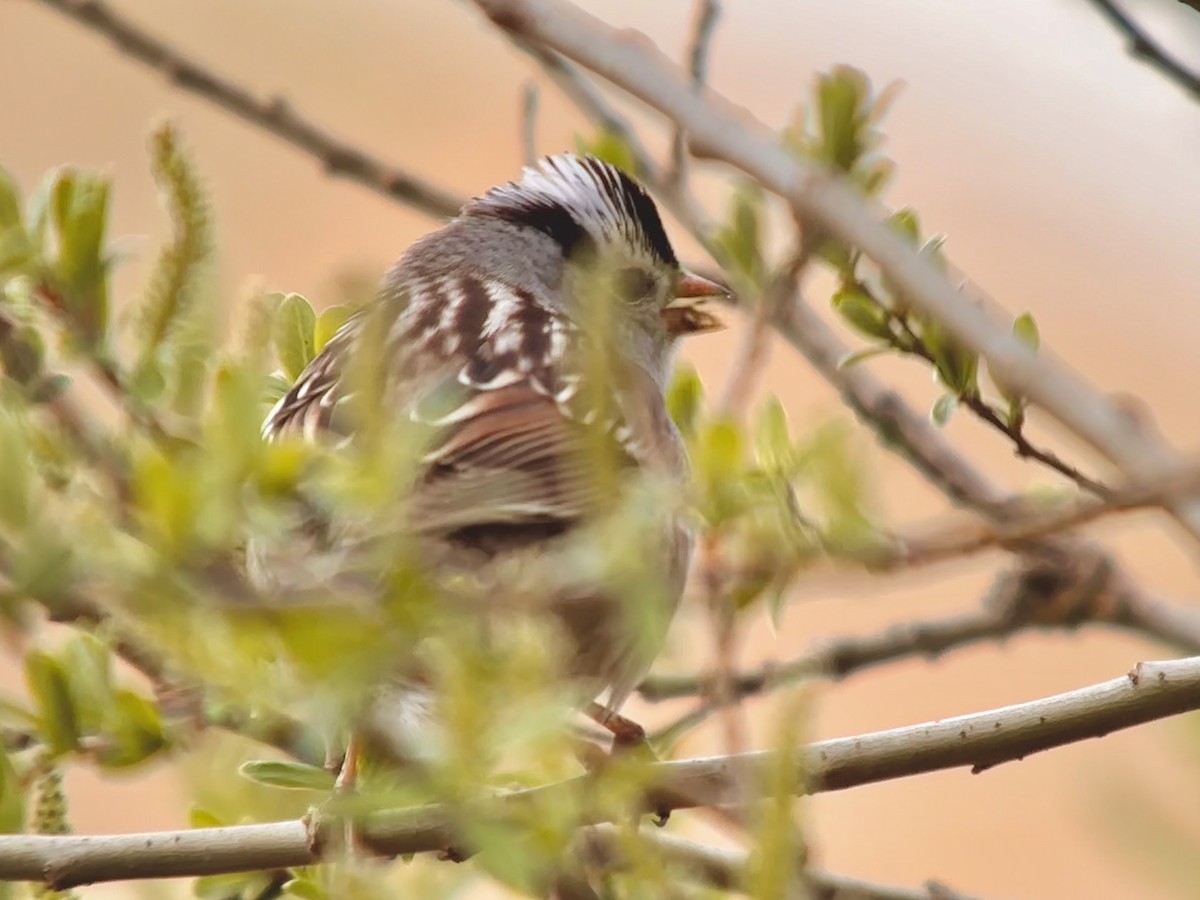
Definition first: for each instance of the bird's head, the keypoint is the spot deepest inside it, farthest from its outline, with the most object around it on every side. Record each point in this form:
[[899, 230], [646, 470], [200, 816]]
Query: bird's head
[[616, 252]]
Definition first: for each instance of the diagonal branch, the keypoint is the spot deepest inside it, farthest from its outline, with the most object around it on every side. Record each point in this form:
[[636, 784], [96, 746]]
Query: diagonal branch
[[706, 15], [958, 539], [722, 131], [1030, 595], [1152, 690], [1143, 47], [339, 156]]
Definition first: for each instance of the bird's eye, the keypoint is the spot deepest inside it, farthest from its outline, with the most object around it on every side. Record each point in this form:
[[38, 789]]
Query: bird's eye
[[633, 284]]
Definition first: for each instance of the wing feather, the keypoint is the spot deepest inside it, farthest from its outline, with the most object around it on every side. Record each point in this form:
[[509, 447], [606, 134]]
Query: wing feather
[[511, 448]]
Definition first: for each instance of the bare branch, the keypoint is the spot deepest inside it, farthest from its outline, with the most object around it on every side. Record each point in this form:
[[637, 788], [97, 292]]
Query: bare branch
[[723, 131], [1015, 432], [751, 356], [1083, 588], [962, 538], [726, 869], [338, 156], [529, 111], [1142, 46], [1152, 690], [704, 27]]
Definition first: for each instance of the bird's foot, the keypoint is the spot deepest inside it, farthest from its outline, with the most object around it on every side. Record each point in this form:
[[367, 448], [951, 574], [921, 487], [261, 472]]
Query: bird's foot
[[628, 743]]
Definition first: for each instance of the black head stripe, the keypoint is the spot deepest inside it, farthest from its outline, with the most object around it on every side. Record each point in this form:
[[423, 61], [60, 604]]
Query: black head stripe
[[578, 200], [547, 216]]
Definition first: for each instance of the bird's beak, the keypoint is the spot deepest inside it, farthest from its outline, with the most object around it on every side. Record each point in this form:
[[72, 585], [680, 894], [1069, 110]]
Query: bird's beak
[[683, 315]]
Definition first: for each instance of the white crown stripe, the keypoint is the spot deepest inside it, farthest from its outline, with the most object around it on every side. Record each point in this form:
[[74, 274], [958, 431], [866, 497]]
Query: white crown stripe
[[601, 199]]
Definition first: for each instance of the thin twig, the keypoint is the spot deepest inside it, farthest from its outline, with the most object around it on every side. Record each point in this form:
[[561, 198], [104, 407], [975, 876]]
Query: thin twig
[[1143, 47], [275, 115], [963, 538], [703, 28], [1022, 446], [1152, 690], [1029, 595], [752, 353], [1026, 449], [529, 111]]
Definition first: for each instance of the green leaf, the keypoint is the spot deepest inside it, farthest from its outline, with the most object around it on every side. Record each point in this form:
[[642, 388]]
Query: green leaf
[[10, 202], [685, 398], [12, 799], [80, 214], [16, 474], [305, 888], [957, 367], [136, 730], [87, 663], [943, 409], [274, 389], [15, 247], [740, 238], [842, 102], [611, 148], [49, 687], [284, 774], [772, 441], [37, 211], [294, 328], [198, 817], [863, 313], [1025, 330], [329, 321], [717, 461]]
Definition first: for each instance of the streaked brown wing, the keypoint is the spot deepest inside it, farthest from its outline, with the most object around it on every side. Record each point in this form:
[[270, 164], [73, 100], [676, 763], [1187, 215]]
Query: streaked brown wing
[[510, 446], [516, 458]]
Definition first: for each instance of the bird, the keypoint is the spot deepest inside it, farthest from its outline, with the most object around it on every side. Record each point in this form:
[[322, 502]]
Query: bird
[[486, 331]]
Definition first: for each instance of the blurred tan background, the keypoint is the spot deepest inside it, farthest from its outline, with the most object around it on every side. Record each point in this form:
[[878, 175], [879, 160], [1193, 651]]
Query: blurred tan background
[[1064, 174]]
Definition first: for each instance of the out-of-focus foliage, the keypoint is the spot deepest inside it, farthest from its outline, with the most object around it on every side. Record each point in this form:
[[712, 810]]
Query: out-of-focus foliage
[[130, 519]]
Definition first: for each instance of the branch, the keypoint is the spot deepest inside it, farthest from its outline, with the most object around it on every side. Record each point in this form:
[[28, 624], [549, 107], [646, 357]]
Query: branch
[[726, 869], [338, 156], [1142, 46], [1152, 690], [706, 15], [720, 130], [1045, 594], [959, 539]]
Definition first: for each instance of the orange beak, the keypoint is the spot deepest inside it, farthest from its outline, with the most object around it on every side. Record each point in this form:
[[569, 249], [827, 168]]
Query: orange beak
[[683, 315]]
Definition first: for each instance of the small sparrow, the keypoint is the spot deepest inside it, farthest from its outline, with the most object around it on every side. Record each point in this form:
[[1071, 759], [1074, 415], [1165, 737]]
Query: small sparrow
[[501, 310]]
